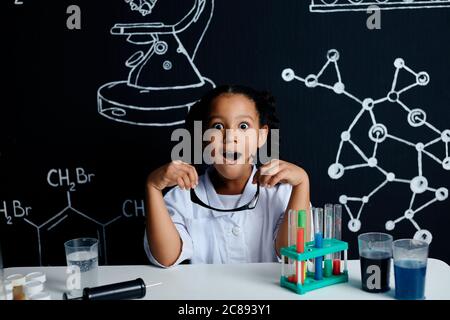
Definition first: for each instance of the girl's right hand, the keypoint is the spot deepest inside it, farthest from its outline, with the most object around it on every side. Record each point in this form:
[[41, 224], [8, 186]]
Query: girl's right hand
[[174, 173]]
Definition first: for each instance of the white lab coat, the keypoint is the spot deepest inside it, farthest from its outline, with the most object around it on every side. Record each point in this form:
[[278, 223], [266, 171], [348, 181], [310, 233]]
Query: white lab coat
[[226, 237]]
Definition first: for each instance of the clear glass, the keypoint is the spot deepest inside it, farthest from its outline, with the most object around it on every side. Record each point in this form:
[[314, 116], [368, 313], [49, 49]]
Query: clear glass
[[410, 268], [82, 257], [375, 252]]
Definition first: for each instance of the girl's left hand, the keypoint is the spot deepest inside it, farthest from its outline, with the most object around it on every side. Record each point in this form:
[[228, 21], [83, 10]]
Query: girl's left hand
[[279, 171]]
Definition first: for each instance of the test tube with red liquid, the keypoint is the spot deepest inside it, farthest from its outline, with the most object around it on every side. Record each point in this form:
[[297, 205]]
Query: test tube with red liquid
[[292, 241], [328, 234], [337, 213]]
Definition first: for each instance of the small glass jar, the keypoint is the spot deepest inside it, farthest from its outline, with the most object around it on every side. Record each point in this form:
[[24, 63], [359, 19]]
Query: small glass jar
[[18, 282]]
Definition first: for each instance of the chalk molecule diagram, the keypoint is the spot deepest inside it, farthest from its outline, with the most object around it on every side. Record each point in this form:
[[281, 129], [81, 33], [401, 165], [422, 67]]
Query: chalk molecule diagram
[[325, 6], [69, 179], [64, 214], [378, 133]]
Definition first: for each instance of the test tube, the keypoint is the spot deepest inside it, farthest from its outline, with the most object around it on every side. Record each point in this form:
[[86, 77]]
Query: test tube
[[292, 242], [292, 227], [337, 209], [310, 262], [301, 231], [328, 234], [318, 243]]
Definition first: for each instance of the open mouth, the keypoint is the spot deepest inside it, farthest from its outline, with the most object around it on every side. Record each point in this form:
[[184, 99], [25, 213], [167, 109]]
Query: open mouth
[[231, 156]]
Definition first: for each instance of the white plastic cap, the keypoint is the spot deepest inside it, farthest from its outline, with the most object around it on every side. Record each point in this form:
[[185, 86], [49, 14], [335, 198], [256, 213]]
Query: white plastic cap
[[36, 276], [33, 287], [16, 279], [41, 296]]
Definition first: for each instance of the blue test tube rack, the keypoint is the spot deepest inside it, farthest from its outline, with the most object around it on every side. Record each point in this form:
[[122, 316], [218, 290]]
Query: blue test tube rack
[[329, 246]]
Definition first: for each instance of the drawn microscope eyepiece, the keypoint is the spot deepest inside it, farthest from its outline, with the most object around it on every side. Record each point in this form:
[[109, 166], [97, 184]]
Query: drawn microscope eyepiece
[[144, 7]]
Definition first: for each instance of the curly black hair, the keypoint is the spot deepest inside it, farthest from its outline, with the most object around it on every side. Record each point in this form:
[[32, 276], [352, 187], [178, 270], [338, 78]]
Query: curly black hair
[[264, 102]]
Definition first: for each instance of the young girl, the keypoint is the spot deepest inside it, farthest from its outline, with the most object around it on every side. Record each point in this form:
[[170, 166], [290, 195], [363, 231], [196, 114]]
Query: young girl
[[205, 231]]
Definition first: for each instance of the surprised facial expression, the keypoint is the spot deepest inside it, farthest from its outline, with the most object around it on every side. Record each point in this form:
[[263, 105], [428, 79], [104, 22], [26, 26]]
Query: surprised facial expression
[[235, 134]]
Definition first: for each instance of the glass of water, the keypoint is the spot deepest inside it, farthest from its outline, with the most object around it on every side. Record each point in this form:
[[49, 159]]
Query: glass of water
[[82, 264]]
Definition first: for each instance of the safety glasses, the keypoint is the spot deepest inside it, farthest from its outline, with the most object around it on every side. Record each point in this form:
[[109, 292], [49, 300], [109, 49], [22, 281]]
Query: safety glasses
[[249, 206]]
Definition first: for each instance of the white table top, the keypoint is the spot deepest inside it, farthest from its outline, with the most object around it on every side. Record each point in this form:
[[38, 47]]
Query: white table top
[[256, 281]]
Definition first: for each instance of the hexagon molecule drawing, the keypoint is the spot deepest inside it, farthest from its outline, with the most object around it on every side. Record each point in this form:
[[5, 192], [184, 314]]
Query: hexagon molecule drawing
[[378, 133]]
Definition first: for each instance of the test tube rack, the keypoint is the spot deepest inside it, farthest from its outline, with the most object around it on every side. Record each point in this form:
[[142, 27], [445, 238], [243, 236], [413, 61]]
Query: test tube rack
[[330, 246]]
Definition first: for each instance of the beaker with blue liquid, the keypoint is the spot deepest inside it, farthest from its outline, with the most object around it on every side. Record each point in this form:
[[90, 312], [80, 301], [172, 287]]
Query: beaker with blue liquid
[[410, 268]]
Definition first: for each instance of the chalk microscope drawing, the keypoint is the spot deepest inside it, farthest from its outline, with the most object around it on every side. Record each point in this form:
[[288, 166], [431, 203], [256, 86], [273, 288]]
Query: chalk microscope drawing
[[143, 6], [58, 178], [163, 81], [324, 6], [378, 133]]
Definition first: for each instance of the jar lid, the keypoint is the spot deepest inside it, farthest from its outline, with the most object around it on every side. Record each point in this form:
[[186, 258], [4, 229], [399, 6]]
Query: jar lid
[[33, 287], [36, 276], [16, 279]]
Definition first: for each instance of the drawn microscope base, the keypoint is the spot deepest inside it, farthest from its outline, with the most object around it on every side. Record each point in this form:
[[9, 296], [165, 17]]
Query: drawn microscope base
[[323, 6], [121, 102]]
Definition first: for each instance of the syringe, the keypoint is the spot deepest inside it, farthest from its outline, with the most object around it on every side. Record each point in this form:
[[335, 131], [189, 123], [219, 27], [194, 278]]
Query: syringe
[[134, 289]]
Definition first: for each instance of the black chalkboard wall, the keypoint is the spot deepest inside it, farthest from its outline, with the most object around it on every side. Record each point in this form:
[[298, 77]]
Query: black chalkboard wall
[[77, 143]]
